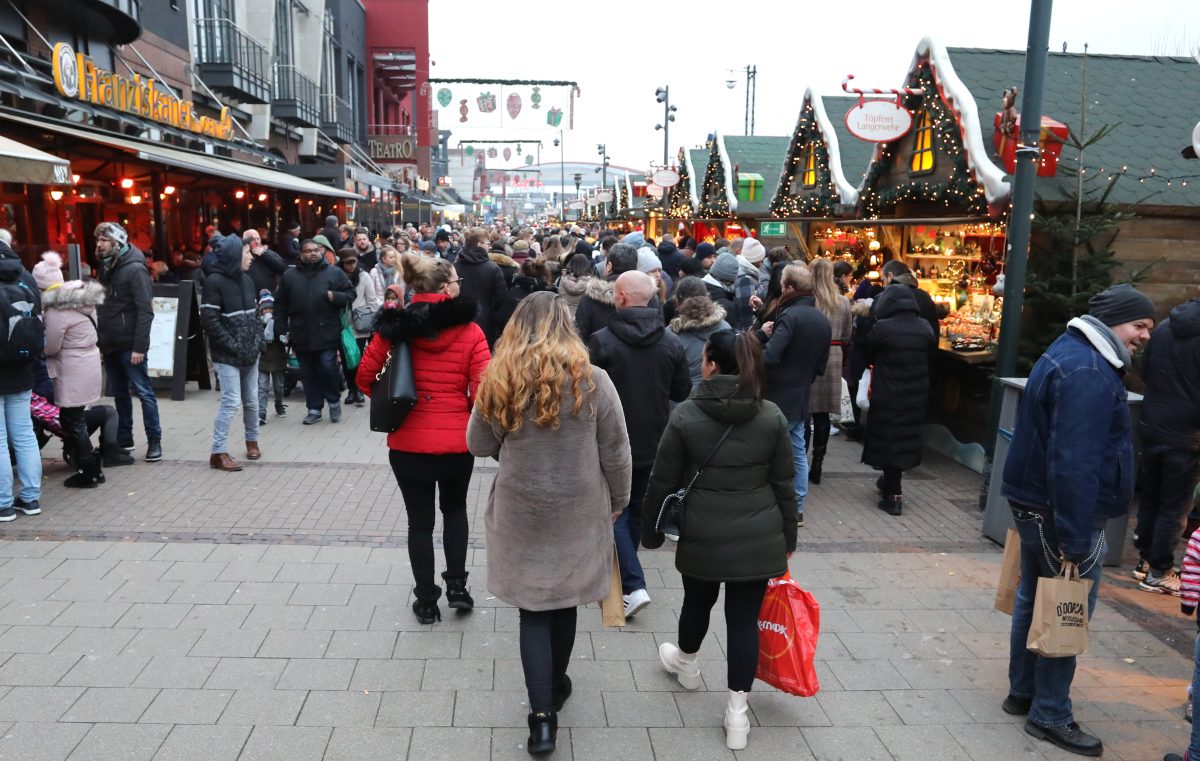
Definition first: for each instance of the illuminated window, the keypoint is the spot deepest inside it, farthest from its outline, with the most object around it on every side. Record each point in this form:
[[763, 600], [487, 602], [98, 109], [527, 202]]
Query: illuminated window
[[922, 156], [810, 166]]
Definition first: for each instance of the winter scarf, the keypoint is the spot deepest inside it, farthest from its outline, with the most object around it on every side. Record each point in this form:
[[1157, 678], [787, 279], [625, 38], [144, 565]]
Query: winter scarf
[[1103, 340]]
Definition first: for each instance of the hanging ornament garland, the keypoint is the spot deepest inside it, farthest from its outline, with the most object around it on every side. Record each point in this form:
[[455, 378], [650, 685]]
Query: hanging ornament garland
[[462, 110], [513, 104], [536, 98], [486, 102], [444, 96]]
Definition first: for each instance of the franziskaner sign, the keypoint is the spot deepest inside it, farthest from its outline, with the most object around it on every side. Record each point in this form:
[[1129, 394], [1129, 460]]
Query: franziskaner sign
[[76, 76]]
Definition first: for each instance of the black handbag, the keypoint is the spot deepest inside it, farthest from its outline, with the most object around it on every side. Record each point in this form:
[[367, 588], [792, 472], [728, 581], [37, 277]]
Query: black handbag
[[394, 392], [672, 514]]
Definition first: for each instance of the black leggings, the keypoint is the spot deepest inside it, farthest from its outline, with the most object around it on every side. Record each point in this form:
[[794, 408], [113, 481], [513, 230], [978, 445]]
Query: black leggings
[[547, 638], [892, 481], [821, 426], [743, 600], [418, 475]]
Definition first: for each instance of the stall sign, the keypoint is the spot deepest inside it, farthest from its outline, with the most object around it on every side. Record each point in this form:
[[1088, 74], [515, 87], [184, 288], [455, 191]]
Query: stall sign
[[878, 121], [665, 178], [575, 205], [397, 149], [77, 76], [604, 196], [772, 229], [1196, 139]]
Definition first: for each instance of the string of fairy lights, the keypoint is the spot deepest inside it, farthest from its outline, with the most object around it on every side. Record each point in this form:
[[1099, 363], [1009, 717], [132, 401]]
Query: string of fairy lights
[[793, 199], [678, 200], [713, 202]]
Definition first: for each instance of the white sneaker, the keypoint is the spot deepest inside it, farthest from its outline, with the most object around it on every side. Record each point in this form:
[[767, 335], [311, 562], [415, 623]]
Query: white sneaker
[[737, 723], [683, 666], [635, 601]]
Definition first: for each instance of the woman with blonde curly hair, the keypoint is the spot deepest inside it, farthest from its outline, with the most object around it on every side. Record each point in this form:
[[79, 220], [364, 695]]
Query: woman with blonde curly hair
[[543, 410]]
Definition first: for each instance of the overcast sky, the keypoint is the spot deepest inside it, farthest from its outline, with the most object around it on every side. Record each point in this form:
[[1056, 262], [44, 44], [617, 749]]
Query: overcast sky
[[620, 51]]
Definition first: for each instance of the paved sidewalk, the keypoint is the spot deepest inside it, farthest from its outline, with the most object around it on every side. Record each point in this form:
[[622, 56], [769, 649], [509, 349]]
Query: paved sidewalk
[[264, 615]]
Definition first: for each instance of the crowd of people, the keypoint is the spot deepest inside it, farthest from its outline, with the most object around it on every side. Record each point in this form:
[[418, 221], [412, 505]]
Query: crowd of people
[[632, 368]]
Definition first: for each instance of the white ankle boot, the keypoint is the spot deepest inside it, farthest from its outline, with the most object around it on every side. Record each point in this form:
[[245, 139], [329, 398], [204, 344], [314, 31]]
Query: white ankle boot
[[681, 664], [737, 723]]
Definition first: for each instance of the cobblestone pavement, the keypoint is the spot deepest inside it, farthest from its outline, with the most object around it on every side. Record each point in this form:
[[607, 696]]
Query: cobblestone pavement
[[182, 613]]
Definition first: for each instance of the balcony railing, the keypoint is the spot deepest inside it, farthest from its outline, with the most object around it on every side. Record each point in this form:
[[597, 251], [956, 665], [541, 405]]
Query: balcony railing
[[337, 118], [231, 61], [401, 130], [297, 98]]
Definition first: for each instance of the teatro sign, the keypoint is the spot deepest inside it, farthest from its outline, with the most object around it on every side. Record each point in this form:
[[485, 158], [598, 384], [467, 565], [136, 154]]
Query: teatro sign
[[382, 148], [77, 76]]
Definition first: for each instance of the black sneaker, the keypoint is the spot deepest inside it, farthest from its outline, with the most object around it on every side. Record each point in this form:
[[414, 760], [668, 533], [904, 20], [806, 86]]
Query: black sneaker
[[7, 514], [1140, 570], [29, 508], [1070, 738], [1016, 706], [262, 418], [800, 520], [154, 451], [281, 410]]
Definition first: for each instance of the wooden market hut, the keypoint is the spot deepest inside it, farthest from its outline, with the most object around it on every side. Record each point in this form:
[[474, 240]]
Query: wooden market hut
[[732, 196]]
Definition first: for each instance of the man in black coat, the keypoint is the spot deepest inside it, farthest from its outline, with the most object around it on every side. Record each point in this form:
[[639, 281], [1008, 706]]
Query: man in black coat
[[331, 230], [895, 271], [266, 266], [446, 248], [648, 366], [123, 329], [229, 314], [795, 351], [308, 312], [289, 247], [1170, 429], [483, 281], [599, 300], [368, 255]]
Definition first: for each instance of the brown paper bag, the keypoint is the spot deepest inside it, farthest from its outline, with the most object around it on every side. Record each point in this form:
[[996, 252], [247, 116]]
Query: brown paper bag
[[612, 607], [1010, 573], [1060, 616]]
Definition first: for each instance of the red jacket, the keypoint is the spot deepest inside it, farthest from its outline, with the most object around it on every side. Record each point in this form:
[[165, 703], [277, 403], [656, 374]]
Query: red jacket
[[449, 355]]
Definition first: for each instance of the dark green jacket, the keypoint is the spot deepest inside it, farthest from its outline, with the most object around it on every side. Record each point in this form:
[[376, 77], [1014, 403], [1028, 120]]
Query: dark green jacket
[[741, 515]]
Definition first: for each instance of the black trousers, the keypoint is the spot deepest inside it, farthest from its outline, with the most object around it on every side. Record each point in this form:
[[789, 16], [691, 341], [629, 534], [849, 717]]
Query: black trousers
[[1168, 481], [419, 477], [743, 601], [75, 434], [821, 426], [892, 481], [547, 638]]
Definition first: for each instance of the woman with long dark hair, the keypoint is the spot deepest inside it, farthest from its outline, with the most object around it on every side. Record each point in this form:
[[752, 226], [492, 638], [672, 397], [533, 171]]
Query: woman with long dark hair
[[741, 512], [429, 450], [544, 411]]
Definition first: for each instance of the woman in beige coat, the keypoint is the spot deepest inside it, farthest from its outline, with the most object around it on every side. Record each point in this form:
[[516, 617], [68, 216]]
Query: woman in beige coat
[[72, 360], [544, 410], [826, 398]]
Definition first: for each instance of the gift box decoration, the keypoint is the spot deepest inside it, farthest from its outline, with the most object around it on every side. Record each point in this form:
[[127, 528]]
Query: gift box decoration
[[486, 102], [750, 186], [1053, 134]]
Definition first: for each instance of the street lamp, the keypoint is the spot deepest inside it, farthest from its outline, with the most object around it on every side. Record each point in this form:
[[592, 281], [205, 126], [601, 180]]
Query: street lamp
[[560, 144], [751, 89], [602, 149], [663, 96]]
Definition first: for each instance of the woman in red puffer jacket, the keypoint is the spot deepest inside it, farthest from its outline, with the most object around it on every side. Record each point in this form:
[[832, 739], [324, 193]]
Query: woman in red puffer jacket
[[429, 451]]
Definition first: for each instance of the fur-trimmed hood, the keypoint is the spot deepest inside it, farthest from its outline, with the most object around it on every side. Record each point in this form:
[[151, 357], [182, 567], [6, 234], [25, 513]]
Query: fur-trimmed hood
[[861, 308], [601, 290], [697, 313], [82, 298], [424, 318], [503, 260], [574, 286]]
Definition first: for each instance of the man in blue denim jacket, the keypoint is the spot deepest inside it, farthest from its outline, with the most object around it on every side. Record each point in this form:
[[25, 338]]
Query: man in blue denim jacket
[[1069, 470]]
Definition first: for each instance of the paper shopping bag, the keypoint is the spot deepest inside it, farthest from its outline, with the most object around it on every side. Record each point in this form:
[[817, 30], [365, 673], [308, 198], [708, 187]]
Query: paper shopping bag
[[789, 623], [1010, 573], [612, 607], [1060, 616]]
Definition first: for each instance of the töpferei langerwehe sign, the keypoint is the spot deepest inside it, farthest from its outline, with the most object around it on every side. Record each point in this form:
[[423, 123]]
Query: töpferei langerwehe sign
[[878, 121]]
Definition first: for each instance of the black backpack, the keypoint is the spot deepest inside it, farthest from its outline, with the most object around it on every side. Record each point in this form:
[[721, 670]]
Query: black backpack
[[23, 337]]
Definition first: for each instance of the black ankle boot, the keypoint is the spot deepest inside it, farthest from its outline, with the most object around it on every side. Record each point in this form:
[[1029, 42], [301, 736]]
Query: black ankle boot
[[88, 475], [115, 456], [457, 596], [543, 733], [892, 505], [426, 611], [814, 470]]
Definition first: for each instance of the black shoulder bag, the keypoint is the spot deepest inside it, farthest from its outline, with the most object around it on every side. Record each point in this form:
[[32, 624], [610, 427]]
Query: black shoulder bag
[[394, 392], [672, 514]]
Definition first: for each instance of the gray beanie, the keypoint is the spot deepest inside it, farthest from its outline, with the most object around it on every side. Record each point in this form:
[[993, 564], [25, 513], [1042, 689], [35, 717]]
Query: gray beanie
[[648, 260], [725, 268], [1120, 304]]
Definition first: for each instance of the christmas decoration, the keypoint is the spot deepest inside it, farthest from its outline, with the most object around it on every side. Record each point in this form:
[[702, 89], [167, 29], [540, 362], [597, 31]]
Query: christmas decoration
[[713, 202], [462, 110], [491, 153], [750, 186], [536, 98], [529, 160], [518, 149], [812, 183], [554, 116], [507, 154], [678, 201], [470, 150], [486, 102], [1051, 137], [513, 104], [444, 96]]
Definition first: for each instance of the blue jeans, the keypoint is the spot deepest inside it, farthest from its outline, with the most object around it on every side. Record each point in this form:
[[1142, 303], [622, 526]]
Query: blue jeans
[[1046, 680], [16, 427], [1193, 751], [122, 376], [800, 455], [627, 532], [239, 388], [321, 373]]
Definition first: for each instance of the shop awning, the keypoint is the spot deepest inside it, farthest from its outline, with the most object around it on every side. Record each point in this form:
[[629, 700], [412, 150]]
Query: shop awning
[[191, 161], [21, 163]]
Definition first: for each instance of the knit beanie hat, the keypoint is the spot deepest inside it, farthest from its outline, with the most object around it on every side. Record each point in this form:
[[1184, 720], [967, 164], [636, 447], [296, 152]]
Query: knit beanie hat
[[1120, 304], [265, 299], [705, 250], [114, 231], [725, 269], [48, 272], [754, 251], [648, 261], [635, 239]]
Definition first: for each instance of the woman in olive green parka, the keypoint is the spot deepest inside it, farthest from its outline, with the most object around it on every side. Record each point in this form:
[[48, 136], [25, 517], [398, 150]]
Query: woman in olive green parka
[[740, 524]]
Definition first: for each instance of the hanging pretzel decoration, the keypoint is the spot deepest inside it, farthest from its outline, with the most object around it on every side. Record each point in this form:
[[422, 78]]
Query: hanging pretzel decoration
[[897, 91]]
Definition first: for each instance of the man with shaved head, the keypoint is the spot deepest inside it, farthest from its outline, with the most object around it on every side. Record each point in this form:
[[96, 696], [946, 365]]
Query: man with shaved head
[[648, 366]]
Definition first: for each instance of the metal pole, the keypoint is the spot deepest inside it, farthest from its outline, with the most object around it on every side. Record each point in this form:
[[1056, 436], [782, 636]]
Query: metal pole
[[666, 123], [562, 176], [753, 95], [1021, 216], [604, 185]]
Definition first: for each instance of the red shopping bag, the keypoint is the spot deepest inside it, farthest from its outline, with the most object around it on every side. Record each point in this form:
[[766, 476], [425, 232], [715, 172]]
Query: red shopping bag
[[788, 626]]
